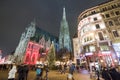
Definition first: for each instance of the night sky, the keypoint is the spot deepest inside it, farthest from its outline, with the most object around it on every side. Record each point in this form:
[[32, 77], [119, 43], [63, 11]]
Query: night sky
[[16, 15]]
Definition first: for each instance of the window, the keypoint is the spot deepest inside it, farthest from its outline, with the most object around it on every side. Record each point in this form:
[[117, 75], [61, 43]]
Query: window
[[95, 19], [112, 13], [107, 15], [115, 33], [92, 48], [83, 30], [104, 48], [117, 12], [97, 26], [100, 36], [84, 39], [93, 12], [110, 23]]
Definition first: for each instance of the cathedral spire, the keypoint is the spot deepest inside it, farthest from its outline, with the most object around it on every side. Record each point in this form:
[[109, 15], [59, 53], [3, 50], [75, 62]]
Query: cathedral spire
[[64, 13], [33, 23], [64, 35]]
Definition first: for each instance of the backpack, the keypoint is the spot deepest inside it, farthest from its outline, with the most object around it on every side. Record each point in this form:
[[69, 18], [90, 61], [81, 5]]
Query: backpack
[[38, 71]]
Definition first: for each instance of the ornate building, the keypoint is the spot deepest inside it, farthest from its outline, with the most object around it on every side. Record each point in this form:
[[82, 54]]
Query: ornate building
[[38, 47], [31, 41], [64, 35], [98, 31]]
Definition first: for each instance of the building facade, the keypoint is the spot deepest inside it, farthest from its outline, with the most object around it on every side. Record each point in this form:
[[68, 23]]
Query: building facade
[[76, 50], [97, 35], [37, 51]]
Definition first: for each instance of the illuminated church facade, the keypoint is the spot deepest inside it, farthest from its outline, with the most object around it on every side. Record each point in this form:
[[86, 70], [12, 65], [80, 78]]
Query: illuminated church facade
[[31, 41]]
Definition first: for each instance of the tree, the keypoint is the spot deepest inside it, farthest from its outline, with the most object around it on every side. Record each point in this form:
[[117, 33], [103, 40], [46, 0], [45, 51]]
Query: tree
[[51, 56]]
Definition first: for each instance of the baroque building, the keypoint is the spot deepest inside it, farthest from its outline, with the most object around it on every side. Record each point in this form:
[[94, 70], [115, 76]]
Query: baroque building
[[99, 34], [64, 35]]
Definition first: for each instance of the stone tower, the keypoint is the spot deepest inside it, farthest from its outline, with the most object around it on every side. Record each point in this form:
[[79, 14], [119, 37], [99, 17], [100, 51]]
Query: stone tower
[[64, 35], [25, 37]]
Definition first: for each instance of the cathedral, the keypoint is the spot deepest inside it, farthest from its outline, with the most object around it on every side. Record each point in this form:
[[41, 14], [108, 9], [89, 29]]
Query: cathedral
[[34, 39], [31, 41]]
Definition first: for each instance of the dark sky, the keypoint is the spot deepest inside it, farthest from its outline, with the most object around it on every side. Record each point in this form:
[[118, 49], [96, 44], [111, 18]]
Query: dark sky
[[15, 15]]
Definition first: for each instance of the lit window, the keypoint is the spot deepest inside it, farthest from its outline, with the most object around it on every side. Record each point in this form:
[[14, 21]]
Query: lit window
[[115, 33], [104, 48]]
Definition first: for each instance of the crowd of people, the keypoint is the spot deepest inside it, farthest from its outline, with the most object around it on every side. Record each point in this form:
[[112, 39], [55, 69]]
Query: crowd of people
[[106, 73], [22, 71], [110, 73]]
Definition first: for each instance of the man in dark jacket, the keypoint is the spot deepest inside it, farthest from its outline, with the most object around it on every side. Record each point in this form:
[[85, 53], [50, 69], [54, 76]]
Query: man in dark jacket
[[114, 74], [105, 74], [26, 71], [21, 72]]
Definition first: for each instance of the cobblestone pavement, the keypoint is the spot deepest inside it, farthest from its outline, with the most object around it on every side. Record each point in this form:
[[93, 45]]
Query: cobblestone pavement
[[52, 75]]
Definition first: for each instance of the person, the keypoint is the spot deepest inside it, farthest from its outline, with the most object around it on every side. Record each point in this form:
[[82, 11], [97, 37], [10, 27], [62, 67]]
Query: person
[[77, 68], [65, 67], [46, 70], [26, 71], [114, 74], [62, 69], [12, 72], [71, 70], [39, 72], [98, 74], [21, 72], [105, 74]]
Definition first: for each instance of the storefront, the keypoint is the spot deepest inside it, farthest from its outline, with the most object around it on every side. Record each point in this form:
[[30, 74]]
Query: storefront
[[116, 47]]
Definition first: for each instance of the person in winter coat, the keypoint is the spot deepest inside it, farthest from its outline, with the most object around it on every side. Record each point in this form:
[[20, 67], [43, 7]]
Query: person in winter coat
[[26, 71], [105, 74], [21, 72], [39, 72], [114, 74], [12, 72], [71, 70]]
